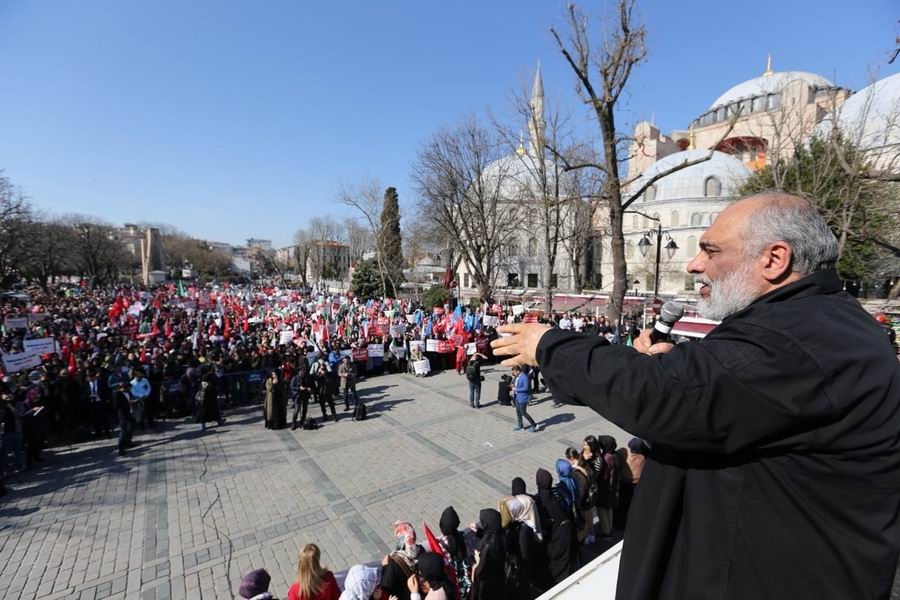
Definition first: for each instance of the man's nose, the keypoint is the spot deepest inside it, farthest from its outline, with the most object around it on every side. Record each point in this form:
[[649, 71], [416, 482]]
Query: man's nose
[[696, 265]]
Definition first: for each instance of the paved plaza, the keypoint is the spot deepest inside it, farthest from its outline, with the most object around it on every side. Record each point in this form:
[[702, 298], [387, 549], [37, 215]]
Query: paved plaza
[[185, 514]]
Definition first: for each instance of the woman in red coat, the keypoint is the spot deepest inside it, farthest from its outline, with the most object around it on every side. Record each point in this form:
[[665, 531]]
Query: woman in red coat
[[313, 582]]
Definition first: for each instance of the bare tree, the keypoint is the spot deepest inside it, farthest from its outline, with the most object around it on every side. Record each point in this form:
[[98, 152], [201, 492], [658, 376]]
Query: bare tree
[[324, 234], [98, 251], [50, 252], [468, 188], [602, 74], [15, 218], [367, 197], [359, 239]]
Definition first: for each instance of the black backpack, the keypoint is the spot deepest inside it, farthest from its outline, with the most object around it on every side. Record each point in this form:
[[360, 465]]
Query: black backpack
[[472, 373], [359, 413], [310, 424]]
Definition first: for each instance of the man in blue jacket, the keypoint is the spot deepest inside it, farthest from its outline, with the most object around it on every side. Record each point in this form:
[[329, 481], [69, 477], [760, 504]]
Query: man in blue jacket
[[523, 395]]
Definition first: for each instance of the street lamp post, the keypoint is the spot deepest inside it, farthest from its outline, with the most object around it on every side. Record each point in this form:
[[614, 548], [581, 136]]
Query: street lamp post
[[671, 247]]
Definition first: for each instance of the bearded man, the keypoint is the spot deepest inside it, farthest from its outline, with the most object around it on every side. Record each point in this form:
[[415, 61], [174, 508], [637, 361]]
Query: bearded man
[[775, 463]]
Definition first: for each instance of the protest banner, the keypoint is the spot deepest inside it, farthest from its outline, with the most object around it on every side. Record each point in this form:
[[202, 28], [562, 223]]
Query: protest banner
[[470, 348], [490, 321], [518, 309], [45, 345], [16, 323], [360, 354], [445, 347], [422, 367], [530, 318], [416, 344], [411, 319], [457, 340], [376, 351], [347, 352], [13, 363], [432, 345], [286, 337], [398, 330], [398, 351], [483, 345]]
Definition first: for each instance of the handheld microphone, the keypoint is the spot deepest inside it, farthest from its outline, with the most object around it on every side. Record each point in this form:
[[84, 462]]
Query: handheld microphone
[[670, 312]]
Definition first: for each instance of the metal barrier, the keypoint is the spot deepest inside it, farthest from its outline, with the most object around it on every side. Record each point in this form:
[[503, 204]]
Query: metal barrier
[[241, 388]]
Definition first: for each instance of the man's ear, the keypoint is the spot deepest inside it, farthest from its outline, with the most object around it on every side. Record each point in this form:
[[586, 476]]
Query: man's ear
[[776, 262]]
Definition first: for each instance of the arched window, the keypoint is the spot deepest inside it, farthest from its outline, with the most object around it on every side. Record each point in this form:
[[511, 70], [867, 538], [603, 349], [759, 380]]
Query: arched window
[[691, 246], [532, 246], [650, 193], [712, 188], [675, 222], [696, 219]]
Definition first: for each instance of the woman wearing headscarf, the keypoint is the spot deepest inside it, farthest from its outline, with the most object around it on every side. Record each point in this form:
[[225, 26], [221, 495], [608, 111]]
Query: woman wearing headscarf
[[361, 583], [583, 503], [399, 565], [523, 535], [608, 482], [592, 455], [488, 575], [313, 581], [559, 529], [454, 545], [632, 460], [434, 579], [536, 557]]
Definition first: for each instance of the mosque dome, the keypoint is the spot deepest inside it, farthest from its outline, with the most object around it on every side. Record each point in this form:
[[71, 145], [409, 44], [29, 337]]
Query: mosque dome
[[871, 117], [769, 83], [718, 177]]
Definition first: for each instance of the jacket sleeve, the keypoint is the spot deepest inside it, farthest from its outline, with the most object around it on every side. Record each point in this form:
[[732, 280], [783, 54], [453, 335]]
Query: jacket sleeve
[[521, 383], [727, 393]]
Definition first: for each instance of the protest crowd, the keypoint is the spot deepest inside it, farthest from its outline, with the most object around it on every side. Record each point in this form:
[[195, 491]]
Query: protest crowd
[[84, 363]]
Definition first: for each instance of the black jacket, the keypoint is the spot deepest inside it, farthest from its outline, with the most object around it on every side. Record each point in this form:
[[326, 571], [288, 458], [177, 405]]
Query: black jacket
[[775, 468]]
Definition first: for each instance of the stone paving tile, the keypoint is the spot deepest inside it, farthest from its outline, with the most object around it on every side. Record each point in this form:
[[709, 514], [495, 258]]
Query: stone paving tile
[[186, 513]]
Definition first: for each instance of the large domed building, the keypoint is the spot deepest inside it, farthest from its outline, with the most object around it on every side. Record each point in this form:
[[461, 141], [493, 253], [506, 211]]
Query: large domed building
[[747, 125]]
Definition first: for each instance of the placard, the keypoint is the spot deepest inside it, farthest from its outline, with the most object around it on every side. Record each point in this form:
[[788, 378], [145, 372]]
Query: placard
[[376, 351], [286, 337], [347, 352], [411, 319], [456, 340], [13, 363], [398, 351], [432, 345], [518, 309], [45, 345], [490, 321], [470, 348], [398, 330], [445, 347], [16, 323], [422, 367], [483, 345], [416, 344], [360, 354]]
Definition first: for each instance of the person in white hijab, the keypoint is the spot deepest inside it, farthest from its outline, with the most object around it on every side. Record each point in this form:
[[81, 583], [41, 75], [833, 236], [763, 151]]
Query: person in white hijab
[[361, 583]]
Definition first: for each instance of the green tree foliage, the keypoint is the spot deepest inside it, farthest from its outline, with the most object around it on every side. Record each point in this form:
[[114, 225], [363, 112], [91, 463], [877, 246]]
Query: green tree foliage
[[435, 296], [366, 282], [861, 212], [390, 244]]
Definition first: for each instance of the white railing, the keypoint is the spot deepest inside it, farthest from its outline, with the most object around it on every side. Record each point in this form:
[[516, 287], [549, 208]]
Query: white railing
[[594, 581]]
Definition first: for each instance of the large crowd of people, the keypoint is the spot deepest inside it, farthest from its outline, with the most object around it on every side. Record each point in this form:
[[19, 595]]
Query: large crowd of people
[[78, 361], [519, 548]]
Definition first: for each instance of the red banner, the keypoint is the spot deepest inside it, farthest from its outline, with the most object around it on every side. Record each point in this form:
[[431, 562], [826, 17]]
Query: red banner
[[360, 354], [445, 347], [457, 340], [530, 318], [483, 345]]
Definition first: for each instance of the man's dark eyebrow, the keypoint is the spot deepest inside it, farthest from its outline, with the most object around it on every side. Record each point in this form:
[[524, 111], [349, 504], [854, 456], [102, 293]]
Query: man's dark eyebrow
[[704, 245]]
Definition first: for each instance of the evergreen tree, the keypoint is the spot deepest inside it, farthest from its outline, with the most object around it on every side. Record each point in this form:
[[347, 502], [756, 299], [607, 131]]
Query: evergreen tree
[[390, 245], [861, 212], [366, 281]]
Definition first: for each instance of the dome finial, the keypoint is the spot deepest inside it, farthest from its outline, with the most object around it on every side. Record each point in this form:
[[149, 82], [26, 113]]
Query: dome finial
[[521, 149], [691, 138], [768, 66]]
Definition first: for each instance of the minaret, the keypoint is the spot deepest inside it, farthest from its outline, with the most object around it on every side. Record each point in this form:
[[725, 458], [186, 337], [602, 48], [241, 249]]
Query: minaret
[[536, 125], [768, 70]]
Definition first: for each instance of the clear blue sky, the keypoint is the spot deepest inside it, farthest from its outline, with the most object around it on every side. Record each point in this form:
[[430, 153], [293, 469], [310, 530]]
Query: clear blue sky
[[235, 119]]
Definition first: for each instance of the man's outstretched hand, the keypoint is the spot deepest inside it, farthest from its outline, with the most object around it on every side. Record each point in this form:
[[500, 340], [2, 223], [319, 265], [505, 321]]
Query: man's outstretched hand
[[522, 345]]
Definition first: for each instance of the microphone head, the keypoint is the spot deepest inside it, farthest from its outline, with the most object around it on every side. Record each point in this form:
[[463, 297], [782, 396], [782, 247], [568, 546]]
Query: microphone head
[[671, 311]]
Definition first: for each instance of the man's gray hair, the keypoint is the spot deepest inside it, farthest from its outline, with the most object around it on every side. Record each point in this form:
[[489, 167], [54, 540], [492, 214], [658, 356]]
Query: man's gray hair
[[795, 221]]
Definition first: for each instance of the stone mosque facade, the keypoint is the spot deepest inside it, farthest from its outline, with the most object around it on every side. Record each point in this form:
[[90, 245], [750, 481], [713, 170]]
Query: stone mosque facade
[[744, 128]]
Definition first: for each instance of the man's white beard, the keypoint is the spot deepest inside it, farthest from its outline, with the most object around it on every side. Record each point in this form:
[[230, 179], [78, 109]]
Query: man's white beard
[[728, 294]]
